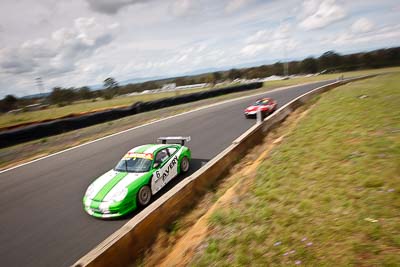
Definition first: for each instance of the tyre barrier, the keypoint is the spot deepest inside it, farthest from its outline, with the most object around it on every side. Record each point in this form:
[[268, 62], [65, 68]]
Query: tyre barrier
[[127, 244], [58, 126]]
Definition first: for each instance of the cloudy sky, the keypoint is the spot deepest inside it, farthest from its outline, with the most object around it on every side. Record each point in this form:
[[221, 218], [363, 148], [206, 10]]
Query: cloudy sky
[[82, 42]]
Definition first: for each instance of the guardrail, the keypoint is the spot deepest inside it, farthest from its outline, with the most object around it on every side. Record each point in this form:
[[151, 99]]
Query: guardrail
[[129, 242]]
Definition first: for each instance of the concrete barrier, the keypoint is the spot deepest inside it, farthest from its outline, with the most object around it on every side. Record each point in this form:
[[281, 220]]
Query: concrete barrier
[[128, 243]]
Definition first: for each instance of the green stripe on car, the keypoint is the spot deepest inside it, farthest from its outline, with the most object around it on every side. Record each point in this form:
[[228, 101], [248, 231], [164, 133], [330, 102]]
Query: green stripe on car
[[107, 188], [143, 148]]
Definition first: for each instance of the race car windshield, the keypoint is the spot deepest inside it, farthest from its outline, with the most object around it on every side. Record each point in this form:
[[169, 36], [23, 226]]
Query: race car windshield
[[261, 102], [133, 165]]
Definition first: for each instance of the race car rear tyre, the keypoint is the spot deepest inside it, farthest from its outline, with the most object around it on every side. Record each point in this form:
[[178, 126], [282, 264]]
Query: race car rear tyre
[[144, 196], [185, 165]]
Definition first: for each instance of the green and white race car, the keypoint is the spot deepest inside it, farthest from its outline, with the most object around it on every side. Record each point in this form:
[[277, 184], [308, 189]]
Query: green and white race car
[[141, 173]]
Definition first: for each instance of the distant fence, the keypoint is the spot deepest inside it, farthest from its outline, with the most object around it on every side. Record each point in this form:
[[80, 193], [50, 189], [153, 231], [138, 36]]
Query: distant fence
[[58, 126]]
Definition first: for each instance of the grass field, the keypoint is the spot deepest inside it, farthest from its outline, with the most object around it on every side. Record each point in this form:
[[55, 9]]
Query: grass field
[[329, 195], [87, 106]]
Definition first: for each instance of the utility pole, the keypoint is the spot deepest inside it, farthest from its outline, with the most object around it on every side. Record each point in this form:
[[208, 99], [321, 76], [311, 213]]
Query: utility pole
[[286, 69], [286, 63], [39, 84]]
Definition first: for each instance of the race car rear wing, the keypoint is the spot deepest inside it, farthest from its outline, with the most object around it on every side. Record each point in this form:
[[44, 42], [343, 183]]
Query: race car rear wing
[[174, 139]]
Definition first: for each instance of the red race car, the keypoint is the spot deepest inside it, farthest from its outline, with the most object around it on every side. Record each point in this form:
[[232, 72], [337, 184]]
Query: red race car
[[265, 105]]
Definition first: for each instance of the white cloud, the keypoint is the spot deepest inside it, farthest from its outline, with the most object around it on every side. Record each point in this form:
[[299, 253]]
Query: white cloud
[[257, 37], [111, 6], [253, 49], [189, 9], [181, 7], [350, 37], [282, 32], [234, 5], [362, 25], [188, 57], [12, 62], [269, 40], [318, 14], [60, 52]]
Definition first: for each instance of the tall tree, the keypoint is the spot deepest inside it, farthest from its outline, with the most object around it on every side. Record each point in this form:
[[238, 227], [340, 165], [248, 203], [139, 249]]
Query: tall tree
[[233, 74], [62, 96], [8, 103], [111, 86], [213, 78], [277, 68], [329, 60], [309, 65], [85, 93], [110, 83]]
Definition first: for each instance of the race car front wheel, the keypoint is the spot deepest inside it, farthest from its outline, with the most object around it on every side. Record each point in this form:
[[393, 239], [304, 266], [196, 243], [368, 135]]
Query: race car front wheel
[[144, 196], [185, 164]]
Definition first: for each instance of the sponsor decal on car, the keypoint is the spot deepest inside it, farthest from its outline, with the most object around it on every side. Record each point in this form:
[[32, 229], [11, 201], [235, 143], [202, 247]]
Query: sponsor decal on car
[[171, 165]]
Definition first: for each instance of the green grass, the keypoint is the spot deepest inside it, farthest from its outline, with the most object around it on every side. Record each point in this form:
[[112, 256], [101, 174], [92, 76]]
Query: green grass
[[329, 195], [332, 76], [87, 106]]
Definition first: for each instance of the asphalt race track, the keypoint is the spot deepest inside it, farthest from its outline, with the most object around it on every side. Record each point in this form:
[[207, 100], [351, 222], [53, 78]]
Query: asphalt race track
[[42, 221]]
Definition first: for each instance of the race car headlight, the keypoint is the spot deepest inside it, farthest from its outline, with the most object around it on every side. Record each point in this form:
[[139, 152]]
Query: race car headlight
[[90, 190], [119, 195]]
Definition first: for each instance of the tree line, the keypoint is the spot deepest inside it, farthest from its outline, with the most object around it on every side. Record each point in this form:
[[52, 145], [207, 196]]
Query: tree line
[[328, 62]]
